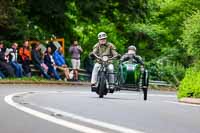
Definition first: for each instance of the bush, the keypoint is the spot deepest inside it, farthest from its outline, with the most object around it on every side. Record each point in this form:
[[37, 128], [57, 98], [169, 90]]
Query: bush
[[171, 72], [191, 35], [190, 86]]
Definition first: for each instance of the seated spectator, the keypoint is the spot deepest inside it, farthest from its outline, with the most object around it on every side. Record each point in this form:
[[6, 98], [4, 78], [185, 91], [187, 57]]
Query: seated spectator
[[49, 61], [25, 58], [38, 61], [60, 62], [13, 60], [5, 67]]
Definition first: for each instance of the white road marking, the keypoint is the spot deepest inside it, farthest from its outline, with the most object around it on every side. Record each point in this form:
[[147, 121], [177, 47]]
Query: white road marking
[[184, 104], [93, 121], [9, 99]]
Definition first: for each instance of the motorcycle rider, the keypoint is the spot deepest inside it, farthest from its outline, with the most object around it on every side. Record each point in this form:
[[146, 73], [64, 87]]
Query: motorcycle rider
[[100, 49]]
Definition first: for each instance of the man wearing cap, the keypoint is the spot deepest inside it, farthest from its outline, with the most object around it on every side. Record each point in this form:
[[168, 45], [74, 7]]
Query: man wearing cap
[[100, 49], [75, 51]]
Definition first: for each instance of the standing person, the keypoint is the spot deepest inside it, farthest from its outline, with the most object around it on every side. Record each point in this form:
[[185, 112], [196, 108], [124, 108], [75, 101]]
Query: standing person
[[49, 61], [38, 61], [25, 58], [13, 60], [5, 67], [75, 51], [60, 62], [100, 49]]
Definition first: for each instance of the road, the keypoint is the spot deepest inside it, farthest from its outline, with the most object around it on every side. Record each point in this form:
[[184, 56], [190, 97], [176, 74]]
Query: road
[[74, 109]]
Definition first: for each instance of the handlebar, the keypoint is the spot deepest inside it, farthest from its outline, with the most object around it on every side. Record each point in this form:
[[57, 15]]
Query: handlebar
[[100, 58]]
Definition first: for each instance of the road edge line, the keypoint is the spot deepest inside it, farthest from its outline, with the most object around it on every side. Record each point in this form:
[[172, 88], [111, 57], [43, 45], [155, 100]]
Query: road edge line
[[9, 100]]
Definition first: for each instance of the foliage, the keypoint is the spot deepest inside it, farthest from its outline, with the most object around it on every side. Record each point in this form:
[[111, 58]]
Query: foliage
[[167, 31], [88, 33], [147, 36], [191, 35], [190, 86], [170, 72]]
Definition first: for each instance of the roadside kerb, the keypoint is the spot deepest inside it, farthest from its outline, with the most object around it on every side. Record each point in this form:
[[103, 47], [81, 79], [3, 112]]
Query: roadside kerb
[[190, 100], [45, 82]]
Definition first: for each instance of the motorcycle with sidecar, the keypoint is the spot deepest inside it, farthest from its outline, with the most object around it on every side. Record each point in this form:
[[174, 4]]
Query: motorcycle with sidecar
[[129, 76]]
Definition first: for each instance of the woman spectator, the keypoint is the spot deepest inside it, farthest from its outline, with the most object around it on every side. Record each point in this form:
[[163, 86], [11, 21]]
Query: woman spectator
[[49, 61], [60, 62]]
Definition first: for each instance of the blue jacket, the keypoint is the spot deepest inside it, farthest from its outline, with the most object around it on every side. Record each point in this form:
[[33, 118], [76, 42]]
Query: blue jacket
[[58, 58]]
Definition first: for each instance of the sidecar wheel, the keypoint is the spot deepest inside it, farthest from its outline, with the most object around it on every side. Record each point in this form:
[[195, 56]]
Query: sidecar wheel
[[145, 93]]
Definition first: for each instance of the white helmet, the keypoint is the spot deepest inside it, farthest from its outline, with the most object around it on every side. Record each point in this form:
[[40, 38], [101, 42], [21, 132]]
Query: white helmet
[[132, 47], [102, 35]]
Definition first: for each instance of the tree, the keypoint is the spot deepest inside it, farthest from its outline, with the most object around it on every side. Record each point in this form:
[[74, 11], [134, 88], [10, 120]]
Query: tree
[[191, 35]]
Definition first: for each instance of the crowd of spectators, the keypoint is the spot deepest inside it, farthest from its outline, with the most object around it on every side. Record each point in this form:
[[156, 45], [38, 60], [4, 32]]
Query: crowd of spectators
[[16, 61]]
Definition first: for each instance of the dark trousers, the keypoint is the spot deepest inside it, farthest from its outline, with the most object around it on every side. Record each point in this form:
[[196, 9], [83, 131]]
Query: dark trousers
[[7, 69], [26, 68]]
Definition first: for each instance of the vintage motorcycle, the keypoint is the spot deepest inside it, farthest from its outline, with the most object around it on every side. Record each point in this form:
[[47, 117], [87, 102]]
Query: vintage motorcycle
[[103, 85]]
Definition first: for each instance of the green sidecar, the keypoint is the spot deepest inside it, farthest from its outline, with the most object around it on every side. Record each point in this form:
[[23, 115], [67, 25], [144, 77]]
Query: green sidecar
[[131, 76]]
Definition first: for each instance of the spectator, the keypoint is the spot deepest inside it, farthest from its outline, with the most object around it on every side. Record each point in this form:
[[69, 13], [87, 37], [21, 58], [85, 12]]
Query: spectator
[[25, 58], [60, 62], [49, 61], [37, 60], [5, 67], [75, 51], [13, 60]]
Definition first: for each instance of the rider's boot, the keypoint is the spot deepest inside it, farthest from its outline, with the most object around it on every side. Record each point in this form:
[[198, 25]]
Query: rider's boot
[[94, 87], [111, 88]]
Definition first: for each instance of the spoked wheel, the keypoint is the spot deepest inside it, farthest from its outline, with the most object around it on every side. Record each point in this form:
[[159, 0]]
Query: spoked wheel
[[102, 85], [145, 92]]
